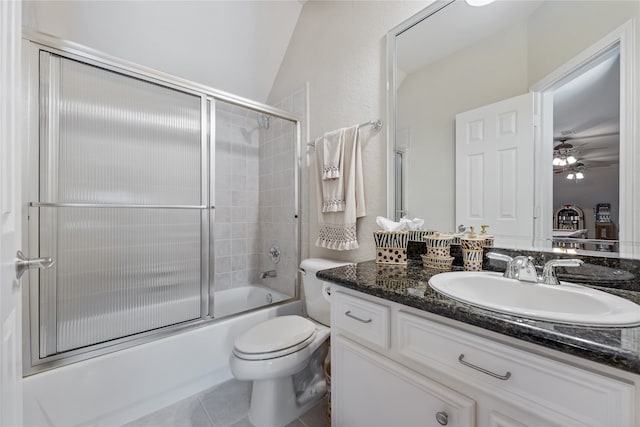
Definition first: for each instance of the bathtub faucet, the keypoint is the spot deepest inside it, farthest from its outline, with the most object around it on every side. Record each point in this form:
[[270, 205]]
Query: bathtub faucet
[[270, 273]]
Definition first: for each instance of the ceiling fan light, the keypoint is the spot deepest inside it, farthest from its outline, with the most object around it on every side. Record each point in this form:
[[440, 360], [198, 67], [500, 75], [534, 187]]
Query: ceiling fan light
[[478, 2], [562, 162], [556, 161], [571, 160], [579, 175], [570, 176]]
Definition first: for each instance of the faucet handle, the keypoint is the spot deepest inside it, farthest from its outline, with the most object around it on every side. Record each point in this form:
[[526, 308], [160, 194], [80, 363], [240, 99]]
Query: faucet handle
[[549, 273], [508, 272], [499, 257]]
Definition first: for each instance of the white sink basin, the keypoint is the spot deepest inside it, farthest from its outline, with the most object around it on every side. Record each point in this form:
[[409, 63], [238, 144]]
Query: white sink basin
[[564, 303]]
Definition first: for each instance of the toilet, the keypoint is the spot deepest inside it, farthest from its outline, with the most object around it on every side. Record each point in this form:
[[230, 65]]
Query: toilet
[[284, 356]]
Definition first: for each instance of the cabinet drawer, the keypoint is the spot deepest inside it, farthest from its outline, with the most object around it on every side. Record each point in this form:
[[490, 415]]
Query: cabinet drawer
[[362, 319], [523, 378]]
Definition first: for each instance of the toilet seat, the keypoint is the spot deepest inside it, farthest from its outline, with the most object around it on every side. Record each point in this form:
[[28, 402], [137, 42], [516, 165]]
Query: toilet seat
[[276, 337]]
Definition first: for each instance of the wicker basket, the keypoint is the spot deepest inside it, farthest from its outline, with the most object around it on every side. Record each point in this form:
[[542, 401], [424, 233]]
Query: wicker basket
[[391, 246], [419, 235], [437, 263], [438, 245]]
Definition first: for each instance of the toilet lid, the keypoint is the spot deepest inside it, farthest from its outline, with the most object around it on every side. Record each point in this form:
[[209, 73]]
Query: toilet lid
[[275, 334]]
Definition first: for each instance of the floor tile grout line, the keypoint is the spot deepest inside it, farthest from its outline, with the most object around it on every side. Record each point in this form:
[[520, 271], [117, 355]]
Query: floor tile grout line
[[206, 412]]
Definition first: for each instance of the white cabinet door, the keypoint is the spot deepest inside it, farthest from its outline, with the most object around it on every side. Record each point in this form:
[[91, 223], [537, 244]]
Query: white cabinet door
[[369, 390], [494, 169]]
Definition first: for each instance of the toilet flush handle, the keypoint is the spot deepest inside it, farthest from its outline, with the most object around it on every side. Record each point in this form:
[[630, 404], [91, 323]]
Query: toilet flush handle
[[326, 292]]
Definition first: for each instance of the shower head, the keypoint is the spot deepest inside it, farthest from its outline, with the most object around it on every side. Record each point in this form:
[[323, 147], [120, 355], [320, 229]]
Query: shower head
[[263, 121]]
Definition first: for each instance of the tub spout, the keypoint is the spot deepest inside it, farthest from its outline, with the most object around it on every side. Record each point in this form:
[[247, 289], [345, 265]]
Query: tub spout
[[270, 273]]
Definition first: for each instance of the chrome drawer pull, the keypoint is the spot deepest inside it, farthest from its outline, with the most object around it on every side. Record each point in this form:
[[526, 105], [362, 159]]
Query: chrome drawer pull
[[348, 313], [484, 371]]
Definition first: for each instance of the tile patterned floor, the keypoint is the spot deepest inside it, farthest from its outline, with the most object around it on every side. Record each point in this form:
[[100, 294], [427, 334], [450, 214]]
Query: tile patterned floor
[[225, 405]]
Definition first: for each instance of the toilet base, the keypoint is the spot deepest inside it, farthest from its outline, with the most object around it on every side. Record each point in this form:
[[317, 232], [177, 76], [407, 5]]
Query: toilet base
[[277, 402], [274, 404]]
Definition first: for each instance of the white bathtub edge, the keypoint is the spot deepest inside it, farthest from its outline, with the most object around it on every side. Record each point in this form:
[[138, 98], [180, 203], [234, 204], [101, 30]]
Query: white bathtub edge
[[120, 387]]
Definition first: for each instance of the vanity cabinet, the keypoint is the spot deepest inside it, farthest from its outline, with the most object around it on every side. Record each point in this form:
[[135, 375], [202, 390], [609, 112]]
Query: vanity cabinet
[[373, 391], [396, 366]]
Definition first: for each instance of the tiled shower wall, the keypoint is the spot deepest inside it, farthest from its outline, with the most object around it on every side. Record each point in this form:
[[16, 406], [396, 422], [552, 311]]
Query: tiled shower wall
[[255, 195], [237, 240], [277, 190]]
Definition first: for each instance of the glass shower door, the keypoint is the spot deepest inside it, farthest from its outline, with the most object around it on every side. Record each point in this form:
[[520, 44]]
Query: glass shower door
[[122, 205]]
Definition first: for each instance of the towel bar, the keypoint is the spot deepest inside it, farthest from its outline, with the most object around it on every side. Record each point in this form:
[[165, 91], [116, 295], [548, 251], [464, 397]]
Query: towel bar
[[377, 125]]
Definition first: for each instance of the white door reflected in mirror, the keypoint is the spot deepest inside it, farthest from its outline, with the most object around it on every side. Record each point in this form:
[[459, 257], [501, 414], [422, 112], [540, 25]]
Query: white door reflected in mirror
[[494, 169]]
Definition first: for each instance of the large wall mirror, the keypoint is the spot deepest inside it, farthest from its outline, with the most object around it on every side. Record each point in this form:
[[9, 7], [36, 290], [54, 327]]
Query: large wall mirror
[[519, 115]]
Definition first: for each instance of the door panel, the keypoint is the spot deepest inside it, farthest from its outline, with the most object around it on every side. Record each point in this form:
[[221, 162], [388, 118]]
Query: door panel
[[494, 169], [120, 205], [10, 220]]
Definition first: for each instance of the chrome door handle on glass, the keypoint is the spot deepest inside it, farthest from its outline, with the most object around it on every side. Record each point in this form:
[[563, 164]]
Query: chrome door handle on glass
[[23, 263], [348, 314]]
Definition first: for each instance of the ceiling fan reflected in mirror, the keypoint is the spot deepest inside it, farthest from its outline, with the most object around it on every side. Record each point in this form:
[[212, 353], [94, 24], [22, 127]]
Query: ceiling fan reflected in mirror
[[563, 154], [576, 172]]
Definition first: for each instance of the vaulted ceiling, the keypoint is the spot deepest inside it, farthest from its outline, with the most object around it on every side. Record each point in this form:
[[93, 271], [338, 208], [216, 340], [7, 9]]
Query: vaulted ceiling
[[233, 46]]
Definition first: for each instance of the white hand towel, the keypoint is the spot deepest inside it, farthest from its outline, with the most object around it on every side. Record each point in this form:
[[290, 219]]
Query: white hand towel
[[333, 190], [332, 153], [338, 228]]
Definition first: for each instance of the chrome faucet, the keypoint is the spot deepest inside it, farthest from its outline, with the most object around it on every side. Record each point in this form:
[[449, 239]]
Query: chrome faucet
[[270, 273], [522, 268], [518, 268], [549, 272]]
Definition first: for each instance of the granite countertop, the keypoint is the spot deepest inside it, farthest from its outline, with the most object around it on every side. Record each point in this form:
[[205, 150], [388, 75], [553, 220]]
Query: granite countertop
[[408, 285]]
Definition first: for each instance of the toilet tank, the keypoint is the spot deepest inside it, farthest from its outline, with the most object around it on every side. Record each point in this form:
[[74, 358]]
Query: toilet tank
[[316, 303]]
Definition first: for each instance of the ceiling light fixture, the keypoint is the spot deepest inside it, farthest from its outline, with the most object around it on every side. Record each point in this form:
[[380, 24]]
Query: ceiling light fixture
[[575, 172], [562, 154], [478, 2]]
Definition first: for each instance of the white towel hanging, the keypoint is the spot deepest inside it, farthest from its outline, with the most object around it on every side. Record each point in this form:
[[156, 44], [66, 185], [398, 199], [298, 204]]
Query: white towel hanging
[[338, 228], [332, 147]]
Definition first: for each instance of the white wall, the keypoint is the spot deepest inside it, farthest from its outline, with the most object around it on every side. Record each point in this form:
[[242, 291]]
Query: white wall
[[233, 46], [340, 49], [577, 24]]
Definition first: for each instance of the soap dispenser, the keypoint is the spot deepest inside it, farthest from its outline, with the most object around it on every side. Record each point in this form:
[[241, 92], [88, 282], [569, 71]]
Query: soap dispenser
[[472, 251]]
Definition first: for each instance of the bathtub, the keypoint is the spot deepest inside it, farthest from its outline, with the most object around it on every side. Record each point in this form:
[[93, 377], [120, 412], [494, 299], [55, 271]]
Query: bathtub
[[122, 386], [243, 298]]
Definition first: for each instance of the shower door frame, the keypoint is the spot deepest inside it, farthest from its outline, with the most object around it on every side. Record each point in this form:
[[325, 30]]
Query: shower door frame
[[33, 43]]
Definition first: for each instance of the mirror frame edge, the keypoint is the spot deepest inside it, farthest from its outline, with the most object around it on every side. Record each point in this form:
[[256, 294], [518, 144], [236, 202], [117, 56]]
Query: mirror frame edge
[[392, 80]]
